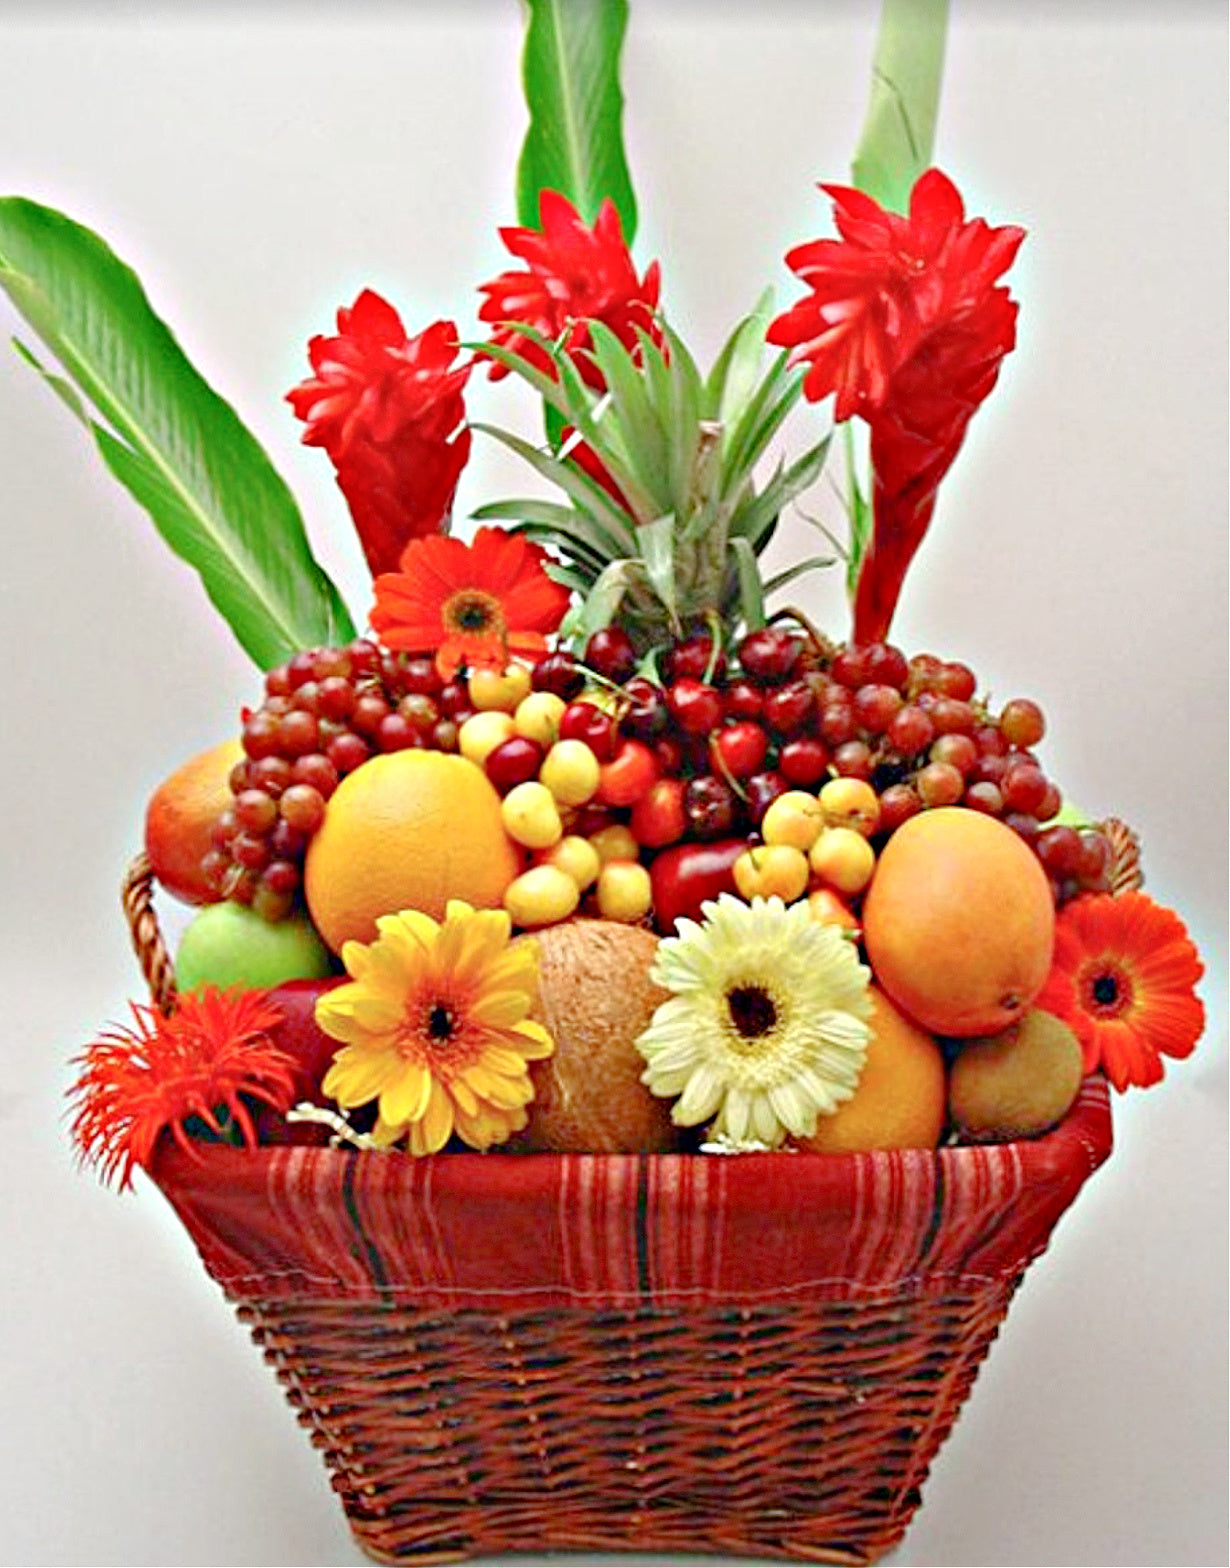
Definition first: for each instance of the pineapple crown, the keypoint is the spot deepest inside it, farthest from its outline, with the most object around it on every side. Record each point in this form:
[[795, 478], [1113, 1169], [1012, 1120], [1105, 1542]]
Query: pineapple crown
[[664, 521]]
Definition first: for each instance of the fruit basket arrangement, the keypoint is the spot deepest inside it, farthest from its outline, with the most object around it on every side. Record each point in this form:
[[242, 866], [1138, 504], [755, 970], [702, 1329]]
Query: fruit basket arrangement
[[633, 1040]]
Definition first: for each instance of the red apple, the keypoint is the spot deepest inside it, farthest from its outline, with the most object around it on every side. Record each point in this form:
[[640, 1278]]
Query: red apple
[[684, 876]]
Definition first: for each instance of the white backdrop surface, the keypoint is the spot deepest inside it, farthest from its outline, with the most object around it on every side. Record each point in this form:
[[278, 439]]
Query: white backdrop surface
[[258, 165]]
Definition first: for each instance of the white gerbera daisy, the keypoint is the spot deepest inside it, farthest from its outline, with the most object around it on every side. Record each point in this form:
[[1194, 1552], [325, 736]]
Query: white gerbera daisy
[[767, 1027]]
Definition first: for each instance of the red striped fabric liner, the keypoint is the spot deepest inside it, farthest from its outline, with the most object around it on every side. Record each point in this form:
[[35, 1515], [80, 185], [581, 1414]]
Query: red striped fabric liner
[[619, 1232]]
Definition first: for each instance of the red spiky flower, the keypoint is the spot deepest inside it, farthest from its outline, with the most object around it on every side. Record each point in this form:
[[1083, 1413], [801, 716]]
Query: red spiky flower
[[574, 274], [389, 411], [200, 1060], [1124, 979], [906, 324]]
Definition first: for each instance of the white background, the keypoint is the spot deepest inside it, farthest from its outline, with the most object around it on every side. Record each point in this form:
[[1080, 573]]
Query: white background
[[259, 165]]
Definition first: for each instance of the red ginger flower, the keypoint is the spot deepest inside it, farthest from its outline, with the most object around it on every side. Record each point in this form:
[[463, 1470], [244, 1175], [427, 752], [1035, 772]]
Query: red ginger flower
[[574, 274], [906, 324], [1124, 979], [473, 604], [388, 410], [138, 1082]]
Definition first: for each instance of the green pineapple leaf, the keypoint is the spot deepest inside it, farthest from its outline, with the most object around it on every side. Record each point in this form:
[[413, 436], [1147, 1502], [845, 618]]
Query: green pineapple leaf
[[177, 447], [683, 450], [574, 143]]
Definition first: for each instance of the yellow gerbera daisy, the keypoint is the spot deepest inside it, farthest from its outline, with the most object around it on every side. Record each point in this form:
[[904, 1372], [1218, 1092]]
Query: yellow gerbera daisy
[[767, 1027], [435, 1029]]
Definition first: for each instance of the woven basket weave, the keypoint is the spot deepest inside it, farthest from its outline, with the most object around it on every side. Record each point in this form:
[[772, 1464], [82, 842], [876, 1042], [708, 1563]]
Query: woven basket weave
[[748, 1356]]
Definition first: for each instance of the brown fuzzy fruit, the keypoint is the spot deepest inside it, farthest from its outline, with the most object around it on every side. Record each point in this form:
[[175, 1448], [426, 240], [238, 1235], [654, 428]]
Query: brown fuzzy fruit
[[1016, 1084], [595, 996]]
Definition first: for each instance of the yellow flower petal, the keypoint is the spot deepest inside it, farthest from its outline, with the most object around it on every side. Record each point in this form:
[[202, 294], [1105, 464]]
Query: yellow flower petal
[[435, 1127], [405, 1097], [358, 1076]]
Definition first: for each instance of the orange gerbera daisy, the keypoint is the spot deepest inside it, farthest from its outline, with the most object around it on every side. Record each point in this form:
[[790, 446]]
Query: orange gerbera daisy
[[197, 1062], [1124, 976], [474, 604]]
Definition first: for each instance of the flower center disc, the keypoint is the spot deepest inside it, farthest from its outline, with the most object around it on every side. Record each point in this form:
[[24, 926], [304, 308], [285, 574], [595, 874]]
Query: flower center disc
[[752, 1011], [473, 612]]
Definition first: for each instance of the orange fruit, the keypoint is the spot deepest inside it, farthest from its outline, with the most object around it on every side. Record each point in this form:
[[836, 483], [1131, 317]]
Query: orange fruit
[[901, 1095], [959, 922], [406, 830], [179, 816]]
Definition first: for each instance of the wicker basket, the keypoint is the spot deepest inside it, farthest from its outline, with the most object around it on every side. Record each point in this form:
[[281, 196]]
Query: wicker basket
[[749, 1356]]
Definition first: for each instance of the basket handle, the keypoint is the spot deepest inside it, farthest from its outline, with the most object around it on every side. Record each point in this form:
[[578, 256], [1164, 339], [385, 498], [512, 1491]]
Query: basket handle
[[137, 896]]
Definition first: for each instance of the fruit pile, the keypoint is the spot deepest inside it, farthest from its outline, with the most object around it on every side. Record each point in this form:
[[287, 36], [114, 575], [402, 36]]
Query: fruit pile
[[581, 747], [578, 843]]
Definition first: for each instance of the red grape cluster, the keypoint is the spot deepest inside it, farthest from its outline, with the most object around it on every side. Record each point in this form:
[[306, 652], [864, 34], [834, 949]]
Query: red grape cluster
[[324, 713]]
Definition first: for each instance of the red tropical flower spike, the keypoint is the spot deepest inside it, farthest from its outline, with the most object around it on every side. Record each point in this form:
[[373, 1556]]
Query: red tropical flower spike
[[472, 604], [389, 411], [574, 274], [137, 1082], [1124, 980], [906, 324]]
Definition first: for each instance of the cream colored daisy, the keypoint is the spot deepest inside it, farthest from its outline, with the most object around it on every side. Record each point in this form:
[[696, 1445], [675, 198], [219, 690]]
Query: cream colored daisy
[[435, 1028], [767, 1027]]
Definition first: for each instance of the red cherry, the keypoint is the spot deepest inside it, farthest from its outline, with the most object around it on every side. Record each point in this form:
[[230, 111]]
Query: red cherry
[[515, 761], [695, 706], [625, 778], [762, 790], [770, 654], [657, 817], [803, 760], [668, 749], [742, 747], [558, 673], [645, 714], [788, 708], [587, 722], [691, 657], [609, 652], [711, 807], [742, 700]]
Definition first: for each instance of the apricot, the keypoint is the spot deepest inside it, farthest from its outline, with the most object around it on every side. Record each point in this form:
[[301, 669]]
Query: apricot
[[959, 922], [899, 1100], [179, 818]]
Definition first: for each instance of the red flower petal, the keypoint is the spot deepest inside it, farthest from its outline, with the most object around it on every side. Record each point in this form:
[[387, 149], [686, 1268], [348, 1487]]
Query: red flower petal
[[574, 274], [414, 605], [141, 1081], [905, 325], [1123, 978], [389, 411]]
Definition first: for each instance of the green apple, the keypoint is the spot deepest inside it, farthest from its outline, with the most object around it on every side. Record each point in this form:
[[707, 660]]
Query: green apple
[[227, 944]]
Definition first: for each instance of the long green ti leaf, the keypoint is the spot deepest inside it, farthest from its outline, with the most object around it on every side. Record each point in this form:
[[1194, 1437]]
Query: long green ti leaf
[[178, 448], [574, 143], [899, 132]]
